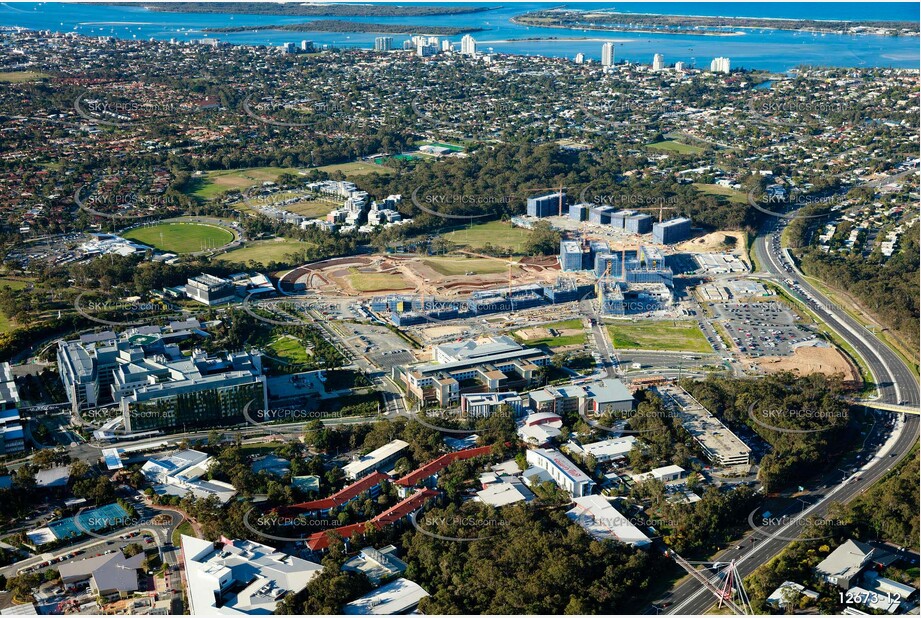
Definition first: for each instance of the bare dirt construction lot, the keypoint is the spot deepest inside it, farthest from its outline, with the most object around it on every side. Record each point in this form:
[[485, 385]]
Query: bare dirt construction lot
[[806, 360], [536, 332], [540, 332], [438, 332], [442, 276], [715, 242]]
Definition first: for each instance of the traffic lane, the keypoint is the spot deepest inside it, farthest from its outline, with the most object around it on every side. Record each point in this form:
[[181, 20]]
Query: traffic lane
[[765, 550], [88, 549], [894, 365], [883, 360], [884, 371]]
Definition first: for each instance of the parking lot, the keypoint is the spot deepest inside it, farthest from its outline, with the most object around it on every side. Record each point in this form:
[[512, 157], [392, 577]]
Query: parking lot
[[377, 343], [762, 329]]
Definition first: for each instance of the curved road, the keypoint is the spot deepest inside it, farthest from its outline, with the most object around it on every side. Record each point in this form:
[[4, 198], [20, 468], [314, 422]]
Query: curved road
[[896, 384]]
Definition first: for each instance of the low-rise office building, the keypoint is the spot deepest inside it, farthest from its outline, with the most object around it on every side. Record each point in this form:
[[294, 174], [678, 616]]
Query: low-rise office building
[[378, 565], [107, 576], [563, 472], [492, 365], [604, 522], [240, 578], [180, 473], [210, 290], [601, 397], [400, 596], [480, 405], [664, 474], [605, 450], [375, 460], [842, 567]]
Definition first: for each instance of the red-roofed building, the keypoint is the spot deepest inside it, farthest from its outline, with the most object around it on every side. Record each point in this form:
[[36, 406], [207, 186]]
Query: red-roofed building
[[404, 508], [319, 541], [422, 476], [370, 484]]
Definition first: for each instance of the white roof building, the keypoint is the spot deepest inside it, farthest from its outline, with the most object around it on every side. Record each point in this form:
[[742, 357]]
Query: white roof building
[[400, 596], [375, 460], [603, 522], [607, 450], [842, 566], [788, 593], [563, 472], [471, 349], [180, 473], [506, 491], [538, 435], [236, 578], [378, 565], [160, 469], [664, 474]]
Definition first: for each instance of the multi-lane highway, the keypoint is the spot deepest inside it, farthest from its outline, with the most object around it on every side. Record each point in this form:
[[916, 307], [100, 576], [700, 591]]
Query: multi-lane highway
[[759, 547], [896, 384], [895, 381]]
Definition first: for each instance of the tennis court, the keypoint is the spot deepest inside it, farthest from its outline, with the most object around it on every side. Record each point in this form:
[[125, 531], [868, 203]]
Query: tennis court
[[108, 516]]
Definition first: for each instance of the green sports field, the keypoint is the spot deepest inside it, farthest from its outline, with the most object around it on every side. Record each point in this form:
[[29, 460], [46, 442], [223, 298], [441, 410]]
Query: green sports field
[[264, 251], [181, 237], [461, 265], [673, 146], [495, 233], [18, 77], [14, 283], [213, 183], [355, 168], [659, 336], [733, 195], [376, 282]]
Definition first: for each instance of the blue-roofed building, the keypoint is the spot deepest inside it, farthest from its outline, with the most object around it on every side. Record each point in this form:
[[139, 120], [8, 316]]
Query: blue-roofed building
[[610, 297], [565, 290], [112, 458], [616, 262]]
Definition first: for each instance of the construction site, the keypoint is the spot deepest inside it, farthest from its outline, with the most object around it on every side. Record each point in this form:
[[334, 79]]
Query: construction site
[[447, 276]]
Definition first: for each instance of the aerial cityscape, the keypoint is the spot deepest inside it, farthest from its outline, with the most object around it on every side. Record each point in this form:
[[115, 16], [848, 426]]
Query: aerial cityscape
[[459, 308]]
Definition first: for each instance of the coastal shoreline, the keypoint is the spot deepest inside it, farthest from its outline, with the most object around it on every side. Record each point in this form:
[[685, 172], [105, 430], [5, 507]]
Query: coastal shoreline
[[671, 28]]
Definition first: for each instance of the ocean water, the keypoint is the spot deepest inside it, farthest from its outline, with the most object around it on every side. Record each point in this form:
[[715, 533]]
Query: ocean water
[[766, 49]]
